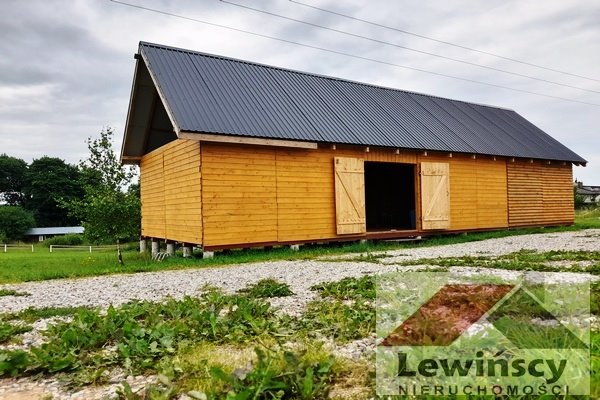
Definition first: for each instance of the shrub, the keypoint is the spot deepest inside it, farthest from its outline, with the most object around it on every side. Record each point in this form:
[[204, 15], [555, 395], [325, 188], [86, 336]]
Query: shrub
[[71, 239], [14, 222]]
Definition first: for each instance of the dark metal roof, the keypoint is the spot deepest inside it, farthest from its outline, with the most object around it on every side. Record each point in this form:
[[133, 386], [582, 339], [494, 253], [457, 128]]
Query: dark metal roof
[[213, 94]]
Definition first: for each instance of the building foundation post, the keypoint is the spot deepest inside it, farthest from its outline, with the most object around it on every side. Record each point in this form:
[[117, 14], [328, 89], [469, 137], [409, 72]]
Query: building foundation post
[[171, 249], [142, 245], [208, 254], [155, 247]]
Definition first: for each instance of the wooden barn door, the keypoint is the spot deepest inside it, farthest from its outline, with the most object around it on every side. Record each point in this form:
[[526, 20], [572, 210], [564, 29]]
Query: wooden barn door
[[350, 195], [435, 195]]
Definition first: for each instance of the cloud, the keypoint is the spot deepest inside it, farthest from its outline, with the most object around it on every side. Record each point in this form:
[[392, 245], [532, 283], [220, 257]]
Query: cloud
[[66, 66]]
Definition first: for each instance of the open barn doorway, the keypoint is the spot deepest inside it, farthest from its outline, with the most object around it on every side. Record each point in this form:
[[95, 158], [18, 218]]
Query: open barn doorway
[[389, 196]]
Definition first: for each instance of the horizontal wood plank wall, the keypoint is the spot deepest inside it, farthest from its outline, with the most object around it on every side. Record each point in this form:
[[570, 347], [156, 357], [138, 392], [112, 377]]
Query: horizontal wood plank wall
[[557, 193], [492, 196], [170, 192], [305, 195], [183, 202], [305, 189], [239, 194], [478, 194], [539, 194], [152, 194]]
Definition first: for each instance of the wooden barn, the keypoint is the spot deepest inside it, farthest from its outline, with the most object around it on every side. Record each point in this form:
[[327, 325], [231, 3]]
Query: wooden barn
[[239, 154]]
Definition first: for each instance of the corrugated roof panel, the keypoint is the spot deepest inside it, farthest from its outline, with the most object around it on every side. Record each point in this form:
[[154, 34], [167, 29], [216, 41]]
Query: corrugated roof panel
[[174, 74], [485, 141], [522, 139], [409, 123], [213, 94], [236, 112], [321, 114], [377, 115], [556, 150], [363, 130], [492, 133], [284, 114], [433, 125], [435, 121]]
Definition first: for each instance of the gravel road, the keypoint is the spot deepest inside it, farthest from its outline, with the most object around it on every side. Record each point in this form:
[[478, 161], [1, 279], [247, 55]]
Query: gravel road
[[300, 275]]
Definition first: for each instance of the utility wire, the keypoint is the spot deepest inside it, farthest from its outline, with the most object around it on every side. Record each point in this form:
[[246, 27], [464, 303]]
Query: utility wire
[[347, 54], [405, 47], [443, 41]]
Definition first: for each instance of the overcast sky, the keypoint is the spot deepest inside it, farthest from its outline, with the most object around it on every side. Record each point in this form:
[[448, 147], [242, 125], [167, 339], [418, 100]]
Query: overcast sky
[[66, 66]]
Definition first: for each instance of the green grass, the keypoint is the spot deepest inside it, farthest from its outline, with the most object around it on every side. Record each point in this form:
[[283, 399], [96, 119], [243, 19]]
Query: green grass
[[523, 260], [348, 288], [268, 288], [33, 314], [9, 331], [20, 266], [10, 292]]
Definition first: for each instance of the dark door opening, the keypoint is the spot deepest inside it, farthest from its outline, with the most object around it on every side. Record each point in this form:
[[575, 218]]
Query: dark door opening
[[390, 196]]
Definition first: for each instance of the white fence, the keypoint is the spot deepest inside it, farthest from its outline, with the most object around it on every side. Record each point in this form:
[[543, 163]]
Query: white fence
[[11, 247], [55, 247]]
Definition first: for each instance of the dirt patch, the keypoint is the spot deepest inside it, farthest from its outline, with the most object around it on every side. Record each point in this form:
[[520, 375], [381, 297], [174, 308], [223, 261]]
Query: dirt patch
[[444, 317]]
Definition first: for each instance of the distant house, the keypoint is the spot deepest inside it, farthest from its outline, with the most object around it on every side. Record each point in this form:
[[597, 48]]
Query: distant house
[[590, 194], [238, 154], [41, 234]]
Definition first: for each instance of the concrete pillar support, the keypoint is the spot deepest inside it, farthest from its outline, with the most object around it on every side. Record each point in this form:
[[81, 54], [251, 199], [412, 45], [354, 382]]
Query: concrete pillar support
[[295, 247], [171, 248], [187, 251], [363, 241], [155, 247], [208, 254], [142, 245]]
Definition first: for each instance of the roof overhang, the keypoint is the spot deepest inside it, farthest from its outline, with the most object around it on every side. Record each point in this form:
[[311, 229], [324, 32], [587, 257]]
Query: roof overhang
[[147, 116], [209, 137]]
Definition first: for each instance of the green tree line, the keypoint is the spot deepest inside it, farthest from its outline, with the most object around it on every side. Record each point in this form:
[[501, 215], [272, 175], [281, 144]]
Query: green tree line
[[98, 193]]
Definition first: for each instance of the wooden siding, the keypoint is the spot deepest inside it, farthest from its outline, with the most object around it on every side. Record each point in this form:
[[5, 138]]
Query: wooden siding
[[171, 192], [262, 195], [478, 194], [239, 194], [152, 194], [539, 194]]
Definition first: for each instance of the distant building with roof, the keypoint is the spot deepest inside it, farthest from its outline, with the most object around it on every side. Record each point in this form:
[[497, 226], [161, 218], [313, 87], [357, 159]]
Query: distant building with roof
[[589, 193], [41, 234]]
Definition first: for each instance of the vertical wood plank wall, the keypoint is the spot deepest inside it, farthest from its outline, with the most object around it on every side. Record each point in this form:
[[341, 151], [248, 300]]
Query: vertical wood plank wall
[[171, 192], [539, 193]]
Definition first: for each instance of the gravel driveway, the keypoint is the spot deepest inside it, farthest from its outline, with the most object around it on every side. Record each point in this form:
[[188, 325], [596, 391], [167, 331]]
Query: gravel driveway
[[300, 275]]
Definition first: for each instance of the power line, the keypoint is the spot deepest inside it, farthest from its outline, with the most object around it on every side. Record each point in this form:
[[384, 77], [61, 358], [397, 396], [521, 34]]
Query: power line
[[348, 54], [443, 41], [405, 47]]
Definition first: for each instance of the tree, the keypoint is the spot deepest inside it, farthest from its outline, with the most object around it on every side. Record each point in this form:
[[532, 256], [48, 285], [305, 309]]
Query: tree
[[49, 181], [14, 222], [110, 208], [12, 179]]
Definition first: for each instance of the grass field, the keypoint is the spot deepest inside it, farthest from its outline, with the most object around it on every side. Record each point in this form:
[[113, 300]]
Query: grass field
[[23, 265]]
